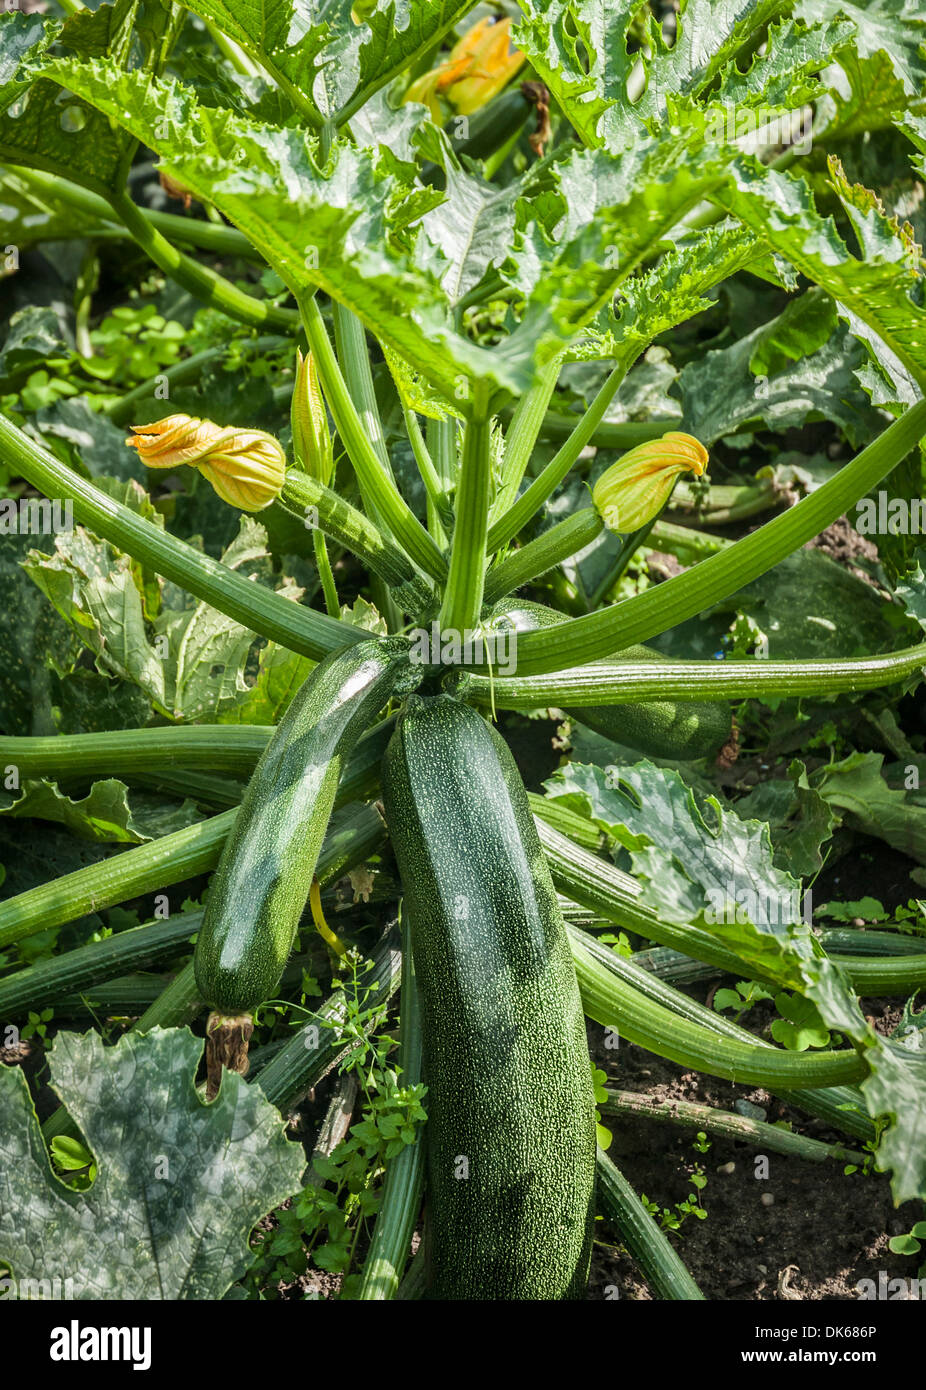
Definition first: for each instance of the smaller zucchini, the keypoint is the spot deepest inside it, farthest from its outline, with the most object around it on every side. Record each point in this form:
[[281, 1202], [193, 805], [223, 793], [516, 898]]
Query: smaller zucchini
[[262, 883], [658, 728]]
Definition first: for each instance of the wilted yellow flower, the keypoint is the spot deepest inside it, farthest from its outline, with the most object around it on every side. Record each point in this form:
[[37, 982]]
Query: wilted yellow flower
[[247, 468], [311, 436], [493, 62], [478, 66], [636, 488]]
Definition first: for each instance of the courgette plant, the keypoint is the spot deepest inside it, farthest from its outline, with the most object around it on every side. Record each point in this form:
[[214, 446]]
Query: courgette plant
[[595, 212]]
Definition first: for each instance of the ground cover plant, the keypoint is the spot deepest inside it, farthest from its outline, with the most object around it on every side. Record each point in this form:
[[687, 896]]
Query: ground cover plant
[[460, 729]]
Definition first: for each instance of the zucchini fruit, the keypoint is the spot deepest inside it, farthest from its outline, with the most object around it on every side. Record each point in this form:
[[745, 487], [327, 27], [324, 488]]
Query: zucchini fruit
[[511, 1124], [261, 885], [659, 728]]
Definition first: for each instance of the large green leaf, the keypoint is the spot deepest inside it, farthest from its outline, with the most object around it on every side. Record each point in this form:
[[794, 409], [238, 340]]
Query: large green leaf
[[47, 127], [328, 230], [722, 395], [179, 1186], [896, 28], [103, 815], [877, 292], [192, 667], [322, 57], [699, 864], [580, 50]]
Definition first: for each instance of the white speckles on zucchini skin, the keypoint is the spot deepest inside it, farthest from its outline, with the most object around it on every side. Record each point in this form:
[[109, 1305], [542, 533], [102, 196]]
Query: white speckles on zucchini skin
[[506, 1059]]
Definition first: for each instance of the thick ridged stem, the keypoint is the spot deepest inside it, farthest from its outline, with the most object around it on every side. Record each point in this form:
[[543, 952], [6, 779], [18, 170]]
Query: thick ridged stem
[[647, 1244], [581, 640], [203, 283], [564, 539], [627, 682], [727, 1126], [294, 626], [463, 594], [375, 480], [304, 498], [390, 1244], [509, 523]]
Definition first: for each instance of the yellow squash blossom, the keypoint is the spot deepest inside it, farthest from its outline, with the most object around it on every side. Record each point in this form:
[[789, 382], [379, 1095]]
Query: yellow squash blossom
[[479, 65], [636, 488], [432, 85], [493, 62], [247, 468], [311, 435]]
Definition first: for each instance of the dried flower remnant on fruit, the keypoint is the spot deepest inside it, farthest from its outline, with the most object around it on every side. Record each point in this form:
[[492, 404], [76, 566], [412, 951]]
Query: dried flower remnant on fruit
[[309, 418], [247, 468], [479, 65], [636, 488]]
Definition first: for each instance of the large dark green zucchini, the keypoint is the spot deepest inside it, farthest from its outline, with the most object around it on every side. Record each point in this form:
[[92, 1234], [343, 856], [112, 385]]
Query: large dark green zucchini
[[511, 1128], [262, 883], [659, 728]]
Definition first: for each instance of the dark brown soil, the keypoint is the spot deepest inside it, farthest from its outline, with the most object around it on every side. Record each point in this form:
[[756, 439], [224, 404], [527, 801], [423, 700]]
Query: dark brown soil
[[821, 1234]]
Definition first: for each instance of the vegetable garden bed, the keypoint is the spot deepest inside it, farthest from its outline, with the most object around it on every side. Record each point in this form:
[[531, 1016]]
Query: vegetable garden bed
[[462, 828]]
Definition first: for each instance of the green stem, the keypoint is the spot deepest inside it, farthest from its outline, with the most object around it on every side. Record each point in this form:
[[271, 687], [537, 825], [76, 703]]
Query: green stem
[[727, 1126], [150, 868], [440, 512], [226, 241], [233, 748], [376, 482], [627, 682], [303, 497], [175, 1006], [647, 1244], [202, 282], [138, 949], [354, 359], [685, 542], [190, 369], [522, 435], [508, 524], [463, 595], [544, 553], [390, 1244], [725, 504], [295, 627], [607, 434], [230, 50], [326, 574], [612, 1002], [442, 446], [581, 640]]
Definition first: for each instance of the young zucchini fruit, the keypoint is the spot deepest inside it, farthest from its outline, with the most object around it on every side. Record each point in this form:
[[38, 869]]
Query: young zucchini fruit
[[659, 728], [262, 883], [511, 1124]]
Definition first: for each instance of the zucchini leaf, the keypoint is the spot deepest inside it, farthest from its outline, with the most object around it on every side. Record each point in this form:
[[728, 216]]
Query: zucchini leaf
[[697, 860], [193, 668], [103, 815], [179, 1186]]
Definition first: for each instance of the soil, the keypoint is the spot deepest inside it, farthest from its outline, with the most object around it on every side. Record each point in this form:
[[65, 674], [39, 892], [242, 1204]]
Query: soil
[[821, 1233]]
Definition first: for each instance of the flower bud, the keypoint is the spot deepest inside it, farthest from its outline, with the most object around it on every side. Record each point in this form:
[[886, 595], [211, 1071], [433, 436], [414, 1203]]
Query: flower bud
[[247, 468], [311, 436], [636, 488]]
